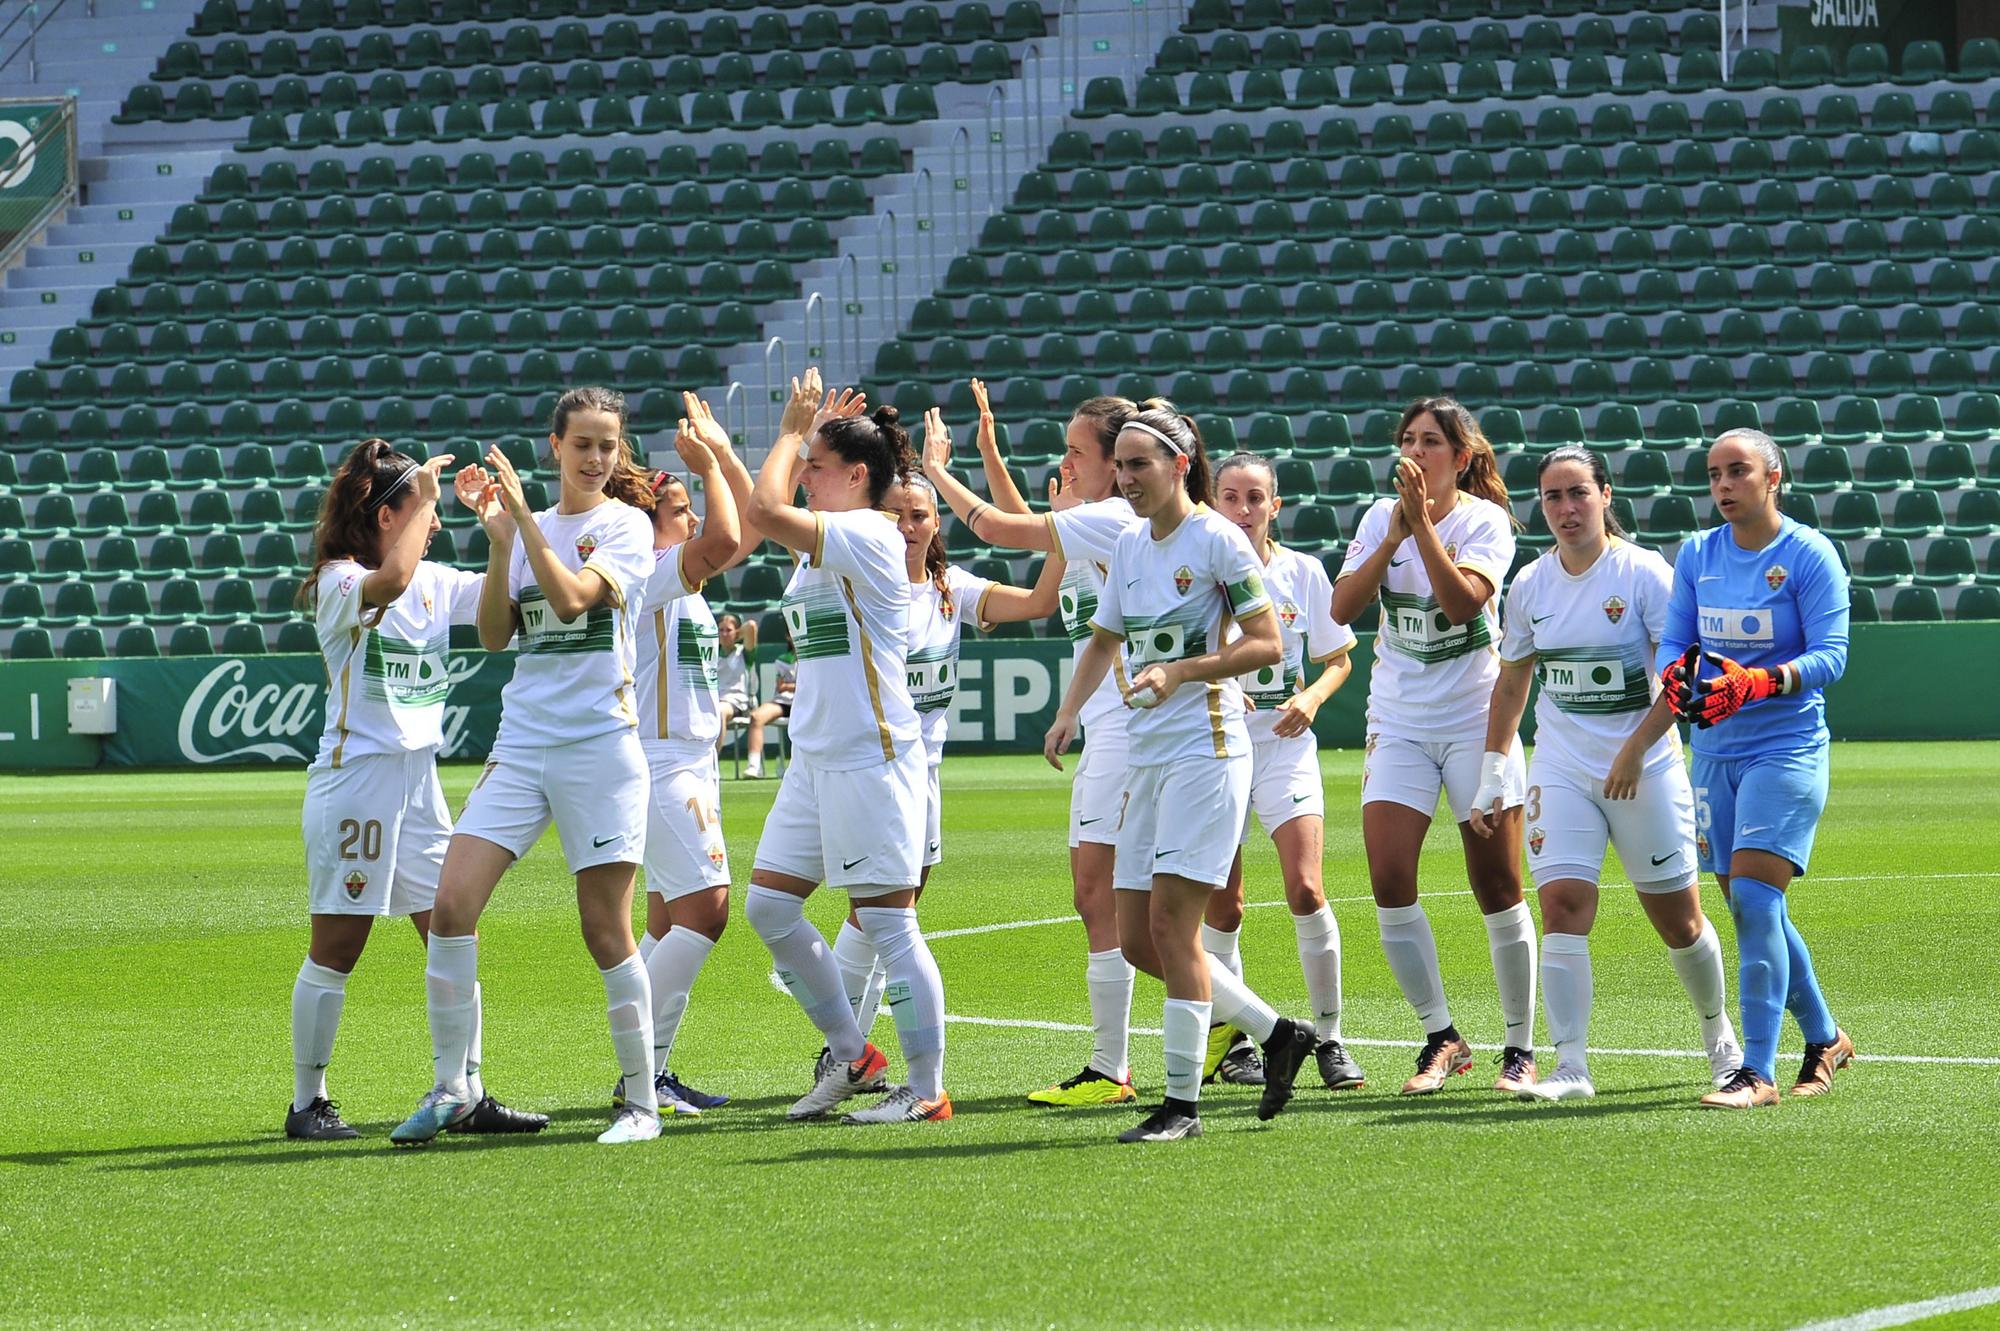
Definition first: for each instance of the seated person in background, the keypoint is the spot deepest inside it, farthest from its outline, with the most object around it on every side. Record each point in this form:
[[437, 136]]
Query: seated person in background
[[779, 707]]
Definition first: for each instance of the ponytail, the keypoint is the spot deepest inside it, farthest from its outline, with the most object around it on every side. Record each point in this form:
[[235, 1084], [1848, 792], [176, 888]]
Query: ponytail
[[373, 476], [1161, 417], [1480, 476]]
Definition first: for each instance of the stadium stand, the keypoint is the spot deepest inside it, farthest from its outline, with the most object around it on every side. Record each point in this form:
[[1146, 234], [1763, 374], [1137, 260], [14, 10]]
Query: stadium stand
[[1297, 217]]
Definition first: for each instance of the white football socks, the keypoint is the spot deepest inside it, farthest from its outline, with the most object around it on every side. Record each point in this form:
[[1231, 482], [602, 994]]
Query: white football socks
[[1185, 1026], [1510, 938], [1699, 965], [317, 997], [855, 956], [915, 992], [805, 965], [646, 945], [1233, 1004], [628, 1001], [451, 992], [1566, 992], [671, 966], [1225, 946], [475, 1085], [1412, 955], [1319, 958], [1109, 978]]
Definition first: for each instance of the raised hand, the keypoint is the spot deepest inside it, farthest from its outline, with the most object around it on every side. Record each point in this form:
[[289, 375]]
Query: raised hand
[[700, 421], [801, 406], [839, 405], [426, 483], [507, 485], [692, 448], [1413, 496], [470, 486], [988, 438], [937, 442], [1062, 491]]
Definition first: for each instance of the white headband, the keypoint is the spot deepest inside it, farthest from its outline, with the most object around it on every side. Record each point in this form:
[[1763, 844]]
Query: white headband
[[1160, 435]]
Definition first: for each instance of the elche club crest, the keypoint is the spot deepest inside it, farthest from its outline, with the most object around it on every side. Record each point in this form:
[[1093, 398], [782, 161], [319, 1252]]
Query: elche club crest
[[1183, 579], [1451, 550], [1535, 840], [586, 546], [1701, 843], [356, 883], [1614, 609], [1288, 614], [717, 856], [1774, 576]]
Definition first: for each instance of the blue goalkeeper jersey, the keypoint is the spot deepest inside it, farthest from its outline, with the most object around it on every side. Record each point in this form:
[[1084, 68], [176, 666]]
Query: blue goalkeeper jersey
[[1784, 603]]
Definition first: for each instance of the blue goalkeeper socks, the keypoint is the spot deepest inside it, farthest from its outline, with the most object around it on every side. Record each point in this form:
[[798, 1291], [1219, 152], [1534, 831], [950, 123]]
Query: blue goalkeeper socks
[[1804, 1000], [1764, 969]]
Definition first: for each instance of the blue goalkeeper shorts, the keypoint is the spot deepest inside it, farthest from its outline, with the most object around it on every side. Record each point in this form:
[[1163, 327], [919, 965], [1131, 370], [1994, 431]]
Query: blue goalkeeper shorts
[[1771, 802]]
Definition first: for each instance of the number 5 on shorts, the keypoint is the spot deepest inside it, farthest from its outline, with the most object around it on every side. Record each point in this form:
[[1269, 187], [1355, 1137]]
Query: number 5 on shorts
[[1703, 816]]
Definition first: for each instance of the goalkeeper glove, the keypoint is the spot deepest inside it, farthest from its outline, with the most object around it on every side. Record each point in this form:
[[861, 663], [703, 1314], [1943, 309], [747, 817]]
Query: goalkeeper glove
[[1724, 696], [1680, 680]]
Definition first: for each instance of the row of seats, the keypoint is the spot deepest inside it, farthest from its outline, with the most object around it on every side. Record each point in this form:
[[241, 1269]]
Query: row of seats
[[718, 34], [89, 642], [609, 113], [1552, 127], [1489, 40], [670, 164], [1475, 79]]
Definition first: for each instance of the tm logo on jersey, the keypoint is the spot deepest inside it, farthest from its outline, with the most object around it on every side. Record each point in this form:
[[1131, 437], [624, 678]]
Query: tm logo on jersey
[[1726, 624]]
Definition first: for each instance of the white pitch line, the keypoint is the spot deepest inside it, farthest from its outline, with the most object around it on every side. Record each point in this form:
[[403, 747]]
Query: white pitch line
[[1902, 1314], [1004, 926], [1067, 1026]]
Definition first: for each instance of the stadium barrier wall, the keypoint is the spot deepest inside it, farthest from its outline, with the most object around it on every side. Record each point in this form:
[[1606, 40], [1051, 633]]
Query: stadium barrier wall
[[198, 711]]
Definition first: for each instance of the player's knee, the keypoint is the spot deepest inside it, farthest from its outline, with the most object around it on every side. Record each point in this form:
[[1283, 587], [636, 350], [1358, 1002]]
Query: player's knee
[[1304, 895], [772, 914]]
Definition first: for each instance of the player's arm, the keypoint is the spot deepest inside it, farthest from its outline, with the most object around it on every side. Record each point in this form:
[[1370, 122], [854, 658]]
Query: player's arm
[[1503, 723], [1296, 716], [701, 420], [1823, 610], [992, 524], [499, 616], [715, 545], [1622, 782], [1256, 646], [1007, 497], [771, 510], [386, 584], [1361, 572], [1002, 604], [1091, 667]]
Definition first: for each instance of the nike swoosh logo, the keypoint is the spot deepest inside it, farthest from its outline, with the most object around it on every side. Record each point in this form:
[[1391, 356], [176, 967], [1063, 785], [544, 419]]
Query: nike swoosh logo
[[1159, 853], [1394, 562], [934, 846], [1750, 830], [1709, 577], [1536, 619], [1300, 799], [1658, 860], [1086, 822], [849, 864], [1131, 582], [600, 842]]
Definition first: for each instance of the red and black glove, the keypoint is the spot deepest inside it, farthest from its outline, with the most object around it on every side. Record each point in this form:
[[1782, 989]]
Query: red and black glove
[[1680, 680], [1718, 699]]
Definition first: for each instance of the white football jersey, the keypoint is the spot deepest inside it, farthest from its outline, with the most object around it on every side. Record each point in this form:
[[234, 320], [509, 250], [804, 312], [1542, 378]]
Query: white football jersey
[[933, 660], [1592, 636], [1302, 595], [679, 706], [1171, 600], [386, 672], [573, 677], [848, 608], [1432, 679], [1084, 536]]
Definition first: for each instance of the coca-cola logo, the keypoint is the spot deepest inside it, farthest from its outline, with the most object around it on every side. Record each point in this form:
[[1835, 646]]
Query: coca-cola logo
[[225, 718]]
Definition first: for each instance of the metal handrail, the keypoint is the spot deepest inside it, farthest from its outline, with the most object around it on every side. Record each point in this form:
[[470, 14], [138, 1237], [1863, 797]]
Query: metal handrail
[[814, 302], [736, 413], [891, 302], [61, 124], [27, 43], [849, 301], [774, 387]]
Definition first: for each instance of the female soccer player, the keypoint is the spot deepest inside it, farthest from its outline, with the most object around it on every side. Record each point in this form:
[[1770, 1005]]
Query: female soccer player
[[1285, 787], [1085, 520], [568, 580], [686, 860], [735, 641], [943, 598], [375, 820], [1436, 555], [1765, 599], [850, 811], [1586, 617], [1172, 591]]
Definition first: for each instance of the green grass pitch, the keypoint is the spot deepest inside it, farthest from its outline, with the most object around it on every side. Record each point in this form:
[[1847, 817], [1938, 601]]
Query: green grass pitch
[[151, 924]]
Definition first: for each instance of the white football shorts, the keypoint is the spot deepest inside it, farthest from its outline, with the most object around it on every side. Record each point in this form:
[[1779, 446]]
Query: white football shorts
[[1411, 772], [376, 829], [857, 829], [1095, 794], [594, 790], [1284, 782], [1184, 818], [685, 852], [1569, 820]]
